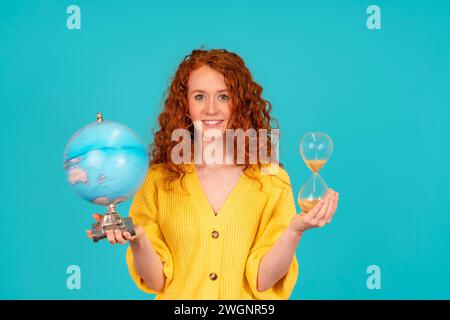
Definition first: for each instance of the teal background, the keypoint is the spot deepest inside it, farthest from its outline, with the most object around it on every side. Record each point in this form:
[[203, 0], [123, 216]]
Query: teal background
[[382, 95]]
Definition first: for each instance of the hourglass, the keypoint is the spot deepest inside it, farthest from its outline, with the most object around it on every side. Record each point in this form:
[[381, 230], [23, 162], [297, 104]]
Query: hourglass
[[316, 149]]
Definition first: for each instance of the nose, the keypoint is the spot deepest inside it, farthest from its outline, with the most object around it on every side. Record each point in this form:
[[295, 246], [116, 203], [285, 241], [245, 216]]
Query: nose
[[211, 107]]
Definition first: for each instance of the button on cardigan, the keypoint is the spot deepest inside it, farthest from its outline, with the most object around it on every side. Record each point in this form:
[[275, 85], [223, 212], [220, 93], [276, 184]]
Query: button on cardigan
[[179, 224]]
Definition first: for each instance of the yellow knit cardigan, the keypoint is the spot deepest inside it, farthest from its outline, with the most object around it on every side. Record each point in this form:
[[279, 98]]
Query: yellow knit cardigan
[[209, 256]]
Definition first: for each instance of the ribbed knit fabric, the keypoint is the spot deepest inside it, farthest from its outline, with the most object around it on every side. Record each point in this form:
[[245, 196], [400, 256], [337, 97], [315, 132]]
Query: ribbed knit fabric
[[180, 226]]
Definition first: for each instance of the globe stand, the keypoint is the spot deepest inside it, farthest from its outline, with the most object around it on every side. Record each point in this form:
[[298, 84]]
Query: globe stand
[[105, 163], [111, 221]]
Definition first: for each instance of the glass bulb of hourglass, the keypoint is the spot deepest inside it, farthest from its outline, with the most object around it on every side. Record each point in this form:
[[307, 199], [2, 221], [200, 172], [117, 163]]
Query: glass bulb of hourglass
[[316, 149], [311, 192]]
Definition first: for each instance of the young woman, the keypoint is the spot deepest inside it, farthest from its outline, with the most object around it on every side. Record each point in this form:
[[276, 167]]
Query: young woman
[[221, 230]]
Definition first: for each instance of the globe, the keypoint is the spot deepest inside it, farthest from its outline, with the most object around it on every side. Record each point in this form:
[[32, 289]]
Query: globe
[[105, 162]]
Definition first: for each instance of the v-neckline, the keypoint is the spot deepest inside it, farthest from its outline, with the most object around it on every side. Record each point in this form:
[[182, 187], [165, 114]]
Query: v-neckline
[[231, 199]]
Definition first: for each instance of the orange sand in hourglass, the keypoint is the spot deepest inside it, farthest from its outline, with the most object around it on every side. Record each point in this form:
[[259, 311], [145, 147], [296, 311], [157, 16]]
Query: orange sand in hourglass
[[307, 205], [315, 165]]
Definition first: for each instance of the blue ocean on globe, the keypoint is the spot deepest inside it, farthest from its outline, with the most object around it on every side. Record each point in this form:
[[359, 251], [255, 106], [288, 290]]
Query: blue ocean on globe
[[105, 162]]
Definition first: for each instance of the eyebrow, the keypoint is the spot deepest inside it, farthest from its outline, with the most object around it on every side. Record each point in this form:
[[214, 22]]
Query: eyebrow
[[203, 91]]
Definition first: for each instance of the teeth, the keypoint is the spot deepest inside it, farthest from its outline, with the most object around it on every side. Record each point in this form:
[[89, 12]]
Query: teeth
[[212, 122]]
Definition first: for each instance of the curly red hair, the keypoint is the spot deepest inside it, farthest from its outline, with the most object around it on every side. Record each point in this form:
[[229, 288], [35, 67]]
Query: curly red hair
[[249, 110]]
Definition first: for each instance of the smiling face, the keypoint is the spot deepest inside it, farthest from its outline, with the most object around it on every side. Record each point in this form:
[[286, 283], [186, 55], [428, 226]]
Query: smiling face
[[209, 100]]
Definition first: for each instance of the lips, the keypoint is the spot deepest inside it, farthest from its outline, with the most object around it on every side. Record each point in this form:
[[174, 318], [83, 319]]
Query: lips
[[212, 123]]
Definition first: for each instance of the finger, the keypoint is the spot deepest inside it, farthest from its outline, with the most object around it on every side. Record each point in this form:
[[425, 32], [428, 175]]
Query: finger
[[335, 204], [119, 238], [111, 237], [128, 236], [89, 234], [315, 211], [97, 216], [323, 211], [330, 208]]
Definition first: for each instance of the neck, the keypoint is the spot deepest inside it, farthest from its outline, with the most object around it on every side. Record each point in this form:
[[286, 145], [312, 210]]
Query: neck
[[207, 149]]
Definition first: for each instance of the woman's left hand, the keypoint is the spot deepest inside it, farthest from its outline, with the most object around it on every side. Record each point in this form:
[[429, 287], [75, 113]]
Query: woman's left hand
[[320, 215]]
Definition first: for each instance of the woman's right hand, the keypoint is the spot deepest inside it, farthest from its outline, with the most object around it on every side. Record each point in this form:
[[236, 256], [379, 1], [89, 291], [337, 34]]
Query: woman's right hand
[[117, 236]]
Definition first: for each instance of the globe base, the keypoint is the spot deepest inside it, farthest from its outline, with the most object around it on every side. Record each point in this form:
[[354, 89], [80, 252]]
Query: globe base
[[111, 221]]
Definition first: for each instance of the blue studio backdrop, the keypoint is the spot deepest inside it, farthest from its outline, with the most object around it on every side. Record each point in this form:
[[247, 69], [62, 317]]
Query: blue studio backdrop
[[374, 75]]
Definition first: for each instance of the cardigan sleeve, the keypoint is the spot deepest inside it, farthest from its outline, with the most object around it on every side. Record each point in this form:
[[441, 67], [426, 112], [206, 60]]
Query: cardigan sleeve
[[143, 211], [273, 227]]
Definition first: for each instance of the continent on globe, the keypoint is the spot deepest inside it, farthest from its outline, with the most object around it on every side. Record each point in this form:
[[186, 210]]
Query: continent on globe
[[77, 175]]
